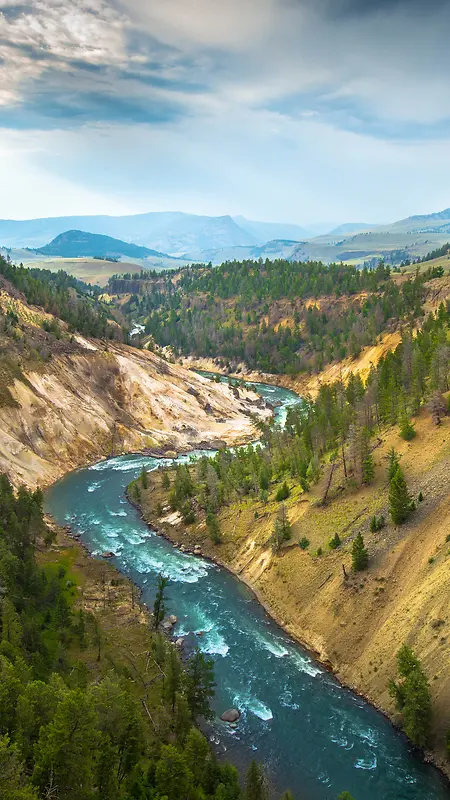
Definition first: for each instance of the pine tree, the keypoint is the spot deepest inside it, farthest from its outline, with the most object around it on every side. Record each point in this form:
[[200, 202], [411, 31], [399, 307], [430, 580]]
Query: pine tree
[[394, 463], [281, 530], [11, 628], [165, 481], [412, 696], [283, 492], [335, 541], [401, 504], [212, 523], [255, 783], [200, 684], [173, 671], [172, 776], [407, 429], [159, 608], [367, 465], [360, 555], [144, 478]]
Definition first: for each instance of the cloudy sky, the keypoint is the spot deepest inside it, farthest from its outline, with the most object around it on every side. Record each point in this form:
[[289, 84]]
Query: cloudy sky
[[283, 110]]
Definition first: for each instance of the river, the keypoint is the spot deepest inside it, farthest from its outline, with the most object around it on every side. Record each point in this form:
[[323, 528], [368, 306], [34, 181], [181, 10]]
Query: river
[[312, 735]]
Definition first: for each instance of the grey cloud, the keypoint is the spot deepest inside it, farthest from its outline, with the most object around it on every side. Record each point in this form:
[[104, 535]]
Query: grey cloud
[[360, 65], [383, 6]]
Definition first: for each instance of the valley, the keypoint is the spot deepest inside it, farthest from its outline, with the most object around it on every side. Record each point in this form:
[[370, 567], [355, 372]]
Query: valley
[[85, 408], [353, 622], [336, 739]]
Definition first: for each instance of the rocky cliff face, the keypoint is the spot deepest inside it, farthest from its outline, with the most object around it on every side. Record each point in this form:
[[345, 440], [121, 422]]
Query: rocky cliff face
[[99, 399]]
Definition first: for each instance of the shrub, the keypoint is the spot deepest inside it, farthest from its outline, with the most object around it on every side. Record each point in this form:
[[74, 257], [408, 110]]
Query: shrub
[[377, 523], [334, 542], [303, 543], [407, 430], [282, 493]]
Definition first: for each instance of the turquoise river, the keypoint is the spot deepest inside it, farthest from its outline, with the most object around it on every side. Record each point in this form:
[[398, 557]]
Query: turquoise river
[[313, 736]]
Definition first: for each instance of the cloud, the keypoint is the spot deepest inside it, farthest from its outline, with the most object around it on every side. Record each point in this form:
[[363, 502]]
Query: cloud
[[194, 102]]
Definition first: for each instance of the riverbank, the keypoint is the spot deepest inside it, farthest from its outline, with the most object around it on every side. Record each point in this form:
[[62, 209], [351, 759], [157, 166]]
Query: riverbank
[[303, 383], [354, 626]]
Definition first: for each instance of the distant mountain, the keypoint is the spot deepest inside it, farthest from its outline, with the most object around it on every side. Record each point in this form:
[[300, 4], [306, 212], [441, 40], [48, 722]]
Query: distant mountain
[[276, 248], [350, 227], [438, 221], [166, 231], [78, 244], [267, 231]]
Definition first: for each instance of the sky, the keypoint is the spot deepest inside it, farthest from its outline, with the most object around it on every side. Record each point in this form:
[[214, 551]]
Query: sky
[[281, 110]]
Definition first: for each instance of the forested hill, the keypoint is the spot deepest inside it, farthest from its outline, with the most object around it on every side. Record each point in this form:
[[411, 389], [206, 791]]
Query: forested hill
[[275, 316], [65, 297]]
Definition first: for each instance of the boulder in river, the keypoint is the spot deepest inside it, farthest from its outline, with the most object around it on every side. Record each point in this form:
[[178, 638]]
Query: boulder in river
[[108, 554], [232, 715]]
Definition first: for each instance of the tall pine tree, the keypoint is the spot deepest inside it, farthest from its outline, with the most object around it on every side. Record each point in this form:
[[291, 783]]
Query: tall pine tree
[[360, 555], [401, 504]]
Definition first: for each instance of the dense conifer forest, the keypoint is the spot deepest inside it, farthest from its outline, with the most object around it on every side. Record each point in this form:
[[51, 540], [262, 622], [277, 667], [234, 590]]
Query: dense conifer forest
[[280, 317]]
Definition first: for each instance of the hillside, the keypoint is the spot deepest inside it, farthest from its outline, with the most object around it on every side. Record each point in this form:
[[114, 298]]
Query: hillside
[[438, 221], [78, 244], [67, 398], [267, 231], [355, 624], [350, 227]]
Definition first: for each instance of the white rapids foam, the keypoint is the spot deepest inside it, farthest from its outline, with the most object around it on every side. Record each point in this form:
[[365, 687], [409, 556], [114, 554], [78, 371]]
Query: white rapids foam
[[248, 702], [278, 650], [304, 664], [183, 569], [94, 486], [362, 763], [118, 513], [260, 710]]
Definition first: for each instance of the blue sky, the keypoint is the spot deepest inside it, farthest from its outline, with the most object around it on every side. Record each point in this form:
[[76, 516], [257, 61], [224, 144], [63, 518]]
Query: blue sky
[[283, 110]]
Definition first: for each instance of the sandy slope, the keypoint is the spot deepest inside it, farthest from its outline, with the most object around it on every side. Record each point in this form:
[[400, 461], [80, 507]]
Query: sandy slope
[[356, 624], [112, 398]]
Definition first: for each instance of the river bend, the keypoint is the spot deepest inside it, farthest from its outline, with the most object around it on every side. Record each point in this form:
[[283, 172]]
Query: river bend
[[313, 736]]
